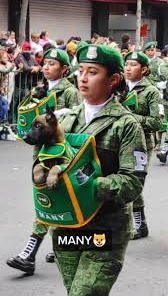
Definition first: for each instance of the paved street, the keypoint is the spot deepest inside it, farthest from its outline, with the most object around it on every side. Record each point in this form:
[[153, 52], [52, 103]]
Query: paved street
[[146, 266]]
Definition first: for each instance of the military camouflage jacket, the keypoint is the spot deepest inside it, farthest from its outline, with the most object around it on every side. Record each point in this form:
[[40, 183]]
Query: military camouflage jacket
[[121, 148], [147, 112], [67, 94], [158, 71]]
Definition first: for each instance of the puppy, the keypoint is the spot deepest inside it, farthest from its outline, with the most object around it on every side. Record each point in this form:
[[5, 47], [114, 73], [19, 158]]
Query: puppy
[[37, 94], [46, 131]]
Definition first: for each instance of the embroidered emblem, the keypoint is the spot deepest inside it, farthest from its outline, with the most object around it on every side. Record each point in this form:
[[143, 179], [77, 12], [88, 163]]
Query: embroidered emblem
[[22, 120], [53, 53], [43, 200], [134, 55], [92, 53]]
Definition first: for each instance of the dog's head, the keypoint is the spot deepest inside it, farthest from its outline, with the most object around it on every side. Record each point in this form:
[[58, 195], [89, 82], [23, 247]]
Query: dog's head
[[45, 130], [39, 92]]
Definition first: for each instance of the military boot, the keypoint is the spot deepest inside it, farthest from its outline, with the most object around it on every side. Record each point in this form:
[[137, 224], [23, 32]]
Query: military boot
[[25, 261], [140, 225], [163, 154], [50, 257]]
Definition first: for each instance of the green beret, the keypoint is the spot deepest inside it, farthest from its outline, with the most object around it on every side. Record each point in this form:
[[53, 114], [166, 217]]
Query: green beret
[[99, 54], [81, 44], [57, 54], [138, 56], [151, 44]]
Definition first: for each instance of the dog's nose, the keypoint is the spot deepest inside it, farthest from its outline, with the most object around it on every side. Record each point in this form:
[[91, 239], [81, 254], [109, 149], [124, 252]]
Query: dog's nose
[[24, 138]]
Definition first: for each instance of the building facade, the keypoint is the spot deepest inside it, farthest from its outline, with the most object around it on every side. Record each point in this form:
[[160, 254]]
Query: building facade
[[64, 18]]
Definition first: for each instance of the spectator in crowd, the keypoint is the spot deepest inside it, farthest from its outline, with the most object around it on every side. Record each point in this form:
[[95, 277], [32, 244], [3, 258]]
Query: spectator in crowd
[[3, 106], [44, 38], [35, 43], [126, 41], [3, 36], [28, 76], [95, 36], [125, 49], [111, 42], [60, 44], [71, 50], [74, 39], [38, 54], [7, 73], [11, 39]]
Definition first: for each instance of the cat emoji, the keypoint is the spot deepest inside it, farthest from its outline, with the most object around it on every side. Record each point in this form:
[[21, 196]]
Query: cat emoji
[[99, 240]]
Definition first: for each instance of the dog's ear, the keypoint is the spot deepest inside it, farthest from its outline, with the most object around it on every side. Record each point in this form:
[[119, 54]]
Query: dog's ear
[[50, 116]]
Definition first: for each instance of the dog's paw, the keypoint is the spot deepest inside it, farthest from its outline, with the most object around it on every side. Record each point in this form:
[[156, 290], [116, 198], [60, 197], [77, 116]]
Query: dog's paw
[[52, 181], [38, 175]]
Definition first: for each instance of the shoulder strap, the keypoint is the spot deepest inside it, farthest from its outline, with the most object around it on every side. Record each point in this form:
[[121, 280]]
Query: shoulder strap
[[96, 128]]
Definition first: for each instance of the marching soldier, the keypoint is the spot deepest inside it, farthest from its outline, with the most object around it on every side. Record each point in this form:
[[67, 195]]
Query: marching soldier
[[56, 63], [158, 76], [121, 149], [146, 110]]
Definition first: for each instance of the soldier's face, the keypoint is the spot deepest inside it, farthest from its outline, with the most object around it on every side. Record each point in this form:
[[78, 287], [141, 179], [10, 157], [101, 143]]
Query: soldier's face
[[150, 52], [94, 84], [133, 70], [53, 70]]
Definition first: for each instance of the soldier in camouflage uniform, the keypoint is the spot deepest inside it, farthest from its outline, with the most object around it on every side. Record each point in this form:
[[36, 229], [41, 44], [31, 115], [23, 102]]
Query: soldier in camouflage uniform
[[158, 77], [162, 155], [121, 148], [56, 63], [146, 111]]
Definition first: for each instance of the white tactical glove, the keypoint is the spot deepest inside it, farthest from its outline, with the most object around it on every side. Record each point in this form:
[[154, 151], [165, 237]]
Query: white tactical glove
[[63, 111], [161, 109], [161, 84]]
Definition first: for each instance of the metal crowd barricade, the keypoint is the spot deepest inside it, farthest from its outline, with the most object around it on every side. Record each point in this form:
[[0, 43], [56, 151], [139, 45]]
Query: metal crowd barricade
[[15, 85]]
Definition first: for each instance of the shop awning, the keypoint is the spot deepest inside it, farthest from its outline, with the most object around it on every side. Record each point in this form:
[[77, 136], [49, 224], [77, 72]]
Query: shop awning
[[132, 1]]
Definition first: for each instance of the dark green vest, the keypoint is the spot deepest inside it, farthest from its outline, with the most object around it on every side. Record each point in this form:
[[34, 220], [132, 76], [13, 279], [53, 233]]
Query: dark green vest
[[29, 108], [73, 202]]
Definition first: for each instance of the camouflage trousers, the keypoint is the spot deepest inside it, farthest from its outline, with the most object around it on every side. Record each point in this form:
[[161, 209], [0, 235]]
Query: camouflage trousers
[[139, 202], [40, 229], [90, 272], [166, 137]]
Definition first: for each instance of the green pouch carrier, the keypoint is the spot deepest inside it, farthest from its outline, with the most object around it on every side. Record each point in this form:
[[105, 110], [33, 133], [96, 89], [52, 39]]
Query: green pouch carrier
[[26, 113], [131, 100], [73, 202], [164, 125]]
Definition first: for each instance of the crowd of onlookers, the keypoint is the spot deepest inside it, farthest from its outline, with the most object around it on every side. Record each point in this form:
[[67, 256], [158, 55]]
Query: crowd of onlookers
[[21, 64]]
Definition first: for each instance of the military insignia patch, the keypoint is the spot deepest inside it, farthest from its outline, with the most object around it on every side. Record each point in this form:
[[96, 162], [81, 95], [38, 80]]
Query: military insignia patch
[[53, 53], [91, 53], [134, 55]]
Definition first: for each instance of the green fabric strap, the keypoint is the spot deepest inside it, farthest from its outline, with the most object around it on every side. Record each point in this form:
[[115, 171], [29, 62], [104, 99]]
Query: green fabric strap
[[95, 129], [59, 150], [131, 100]]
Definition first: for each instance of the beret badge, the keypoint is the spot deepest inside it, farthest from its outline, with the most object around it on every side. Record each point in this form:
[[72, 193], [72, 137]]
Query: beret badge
[[53, 53], [91, 53]]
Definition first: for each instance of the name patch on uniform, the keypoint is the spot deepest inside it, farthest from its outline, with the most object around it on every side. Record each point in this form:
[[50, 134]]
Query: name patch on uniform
[[141, 160]]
